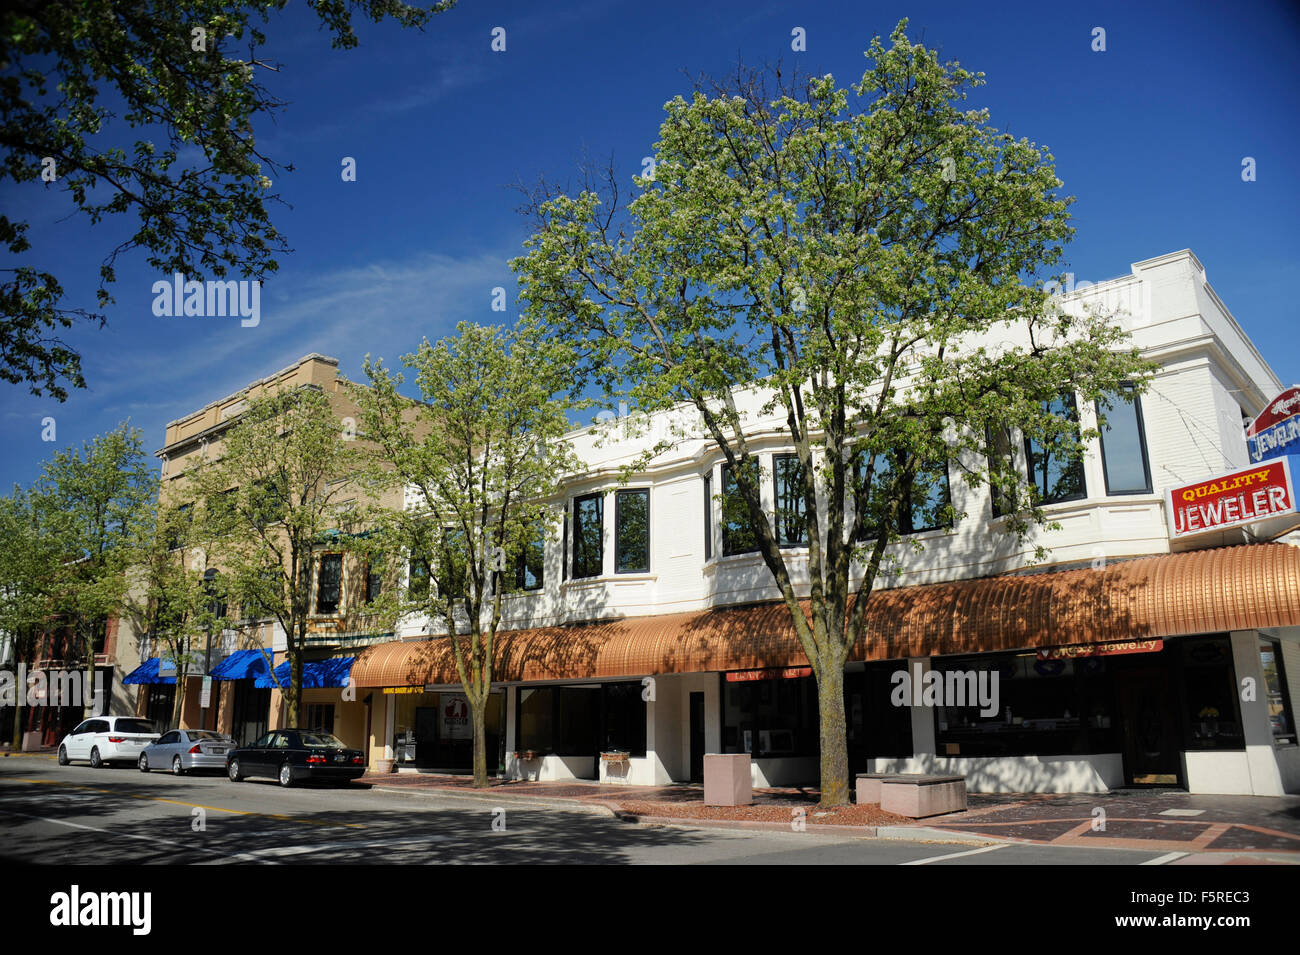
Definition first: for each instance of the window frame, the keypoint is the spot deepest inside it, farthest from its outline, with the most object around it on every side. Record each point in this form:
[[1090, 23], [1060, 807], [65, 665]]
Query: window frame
[[1082, 493], [727, 550], [1142, 442], [708, 515], [778, 528], [1275, 646], [598, 559], [619, 497], [320, 566]]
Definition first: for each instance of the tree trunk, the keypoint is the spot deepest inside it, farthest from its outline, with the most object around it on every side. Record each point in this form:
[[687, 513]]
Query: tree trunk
[[834, 739], [293, 693], [478, 719]]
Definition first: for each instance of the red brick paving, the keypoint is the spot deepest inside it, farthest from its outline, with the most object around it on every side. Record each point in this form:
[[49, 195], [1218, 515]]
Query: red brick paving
[[1228, 824]]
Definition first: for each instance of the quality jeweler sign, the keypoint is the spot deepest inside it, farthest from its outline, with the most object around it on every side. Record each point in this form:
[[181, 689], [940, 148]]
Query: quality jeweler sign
[[1242, 497]]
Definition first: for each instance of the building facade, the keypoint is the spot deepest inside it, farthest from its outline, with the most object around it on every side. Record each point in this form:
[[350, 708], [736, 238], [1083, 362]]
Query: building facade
[[647, 632]]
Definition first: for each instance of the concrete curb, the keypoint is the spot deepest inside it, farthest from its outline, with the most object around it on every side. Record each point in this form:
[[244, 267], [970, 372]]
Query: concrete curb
[[930, 834], [538, 802]]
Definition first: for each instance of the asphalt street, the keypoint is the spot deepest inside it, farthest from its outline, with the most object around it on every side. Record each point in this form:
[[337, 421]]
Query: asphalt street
[[75, 815]]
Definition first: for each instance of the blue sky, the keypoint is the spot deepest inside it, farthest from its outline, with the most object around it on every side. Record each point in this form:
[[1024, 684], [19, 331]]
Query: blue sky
[[1148, 135]]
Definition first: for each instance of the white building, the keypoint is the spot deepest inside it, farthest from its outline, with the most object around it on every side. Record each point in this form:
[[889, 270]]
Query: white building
[[673, 647]]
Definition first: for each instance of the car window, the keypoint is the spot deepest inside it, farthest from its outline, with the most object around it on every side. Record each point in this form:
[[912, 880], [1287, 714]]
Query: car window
[[128, 725], [97, 726], [281, 741], [82, 727], [205, 734], [169, 738], [322, 740]]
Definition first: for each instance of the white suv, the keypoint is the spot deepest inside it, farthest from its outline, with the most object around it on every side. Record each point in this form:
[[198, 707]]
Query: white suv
[[107, 739]]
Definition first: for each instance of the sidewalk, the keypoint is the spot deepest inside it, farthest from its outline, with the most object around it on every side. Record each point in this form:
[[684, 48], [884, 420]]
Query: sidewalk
[[1210, 829]]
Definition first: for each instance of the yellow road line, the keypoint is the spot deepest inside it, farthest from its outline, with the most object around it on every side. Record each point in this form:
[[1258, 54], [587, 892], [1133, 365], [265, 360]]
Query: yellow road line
[[194, 805]]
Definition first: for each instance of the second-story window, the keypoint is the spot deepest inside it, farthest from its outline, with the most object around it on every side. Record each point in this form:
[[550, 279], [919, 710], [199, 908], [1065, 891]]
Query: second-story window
[[1056, 474], [1002, 446], [787, 481], [708, 517], [374, 582], [1124, 444], [923, 494], [329, 583], [738, 533], [419, 572], [588, 535], [528, 569], [632, 531]]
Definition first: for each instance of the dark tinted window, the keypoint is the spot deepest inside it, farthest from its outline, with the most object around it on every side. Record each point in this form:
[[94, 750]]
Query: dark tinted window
[[632, 531], [588, 535], [738, 533], [1056, 473], [1123, 443], [787, 476], [329, 583], [134, 726]]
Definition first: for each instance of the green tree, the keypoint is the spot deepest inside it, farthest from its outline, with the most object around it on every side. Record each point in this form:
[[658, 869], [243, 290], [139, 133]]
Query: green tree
[[482, 455], [28, 562], [187, 74], [278, 490], [89, 504], [864, 265], [175, 598]]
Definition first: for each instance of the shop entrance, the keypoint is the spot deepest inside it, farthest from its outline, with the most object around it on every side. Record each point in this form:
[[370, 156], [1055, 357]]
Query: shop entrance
[[1148, 727]]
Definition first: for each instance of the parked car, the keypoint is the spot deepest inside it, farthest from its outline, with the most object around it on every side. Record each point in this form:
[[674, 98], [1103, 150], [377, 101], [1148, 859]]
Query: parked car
[[107, 739], [294, 755], [184, 750]]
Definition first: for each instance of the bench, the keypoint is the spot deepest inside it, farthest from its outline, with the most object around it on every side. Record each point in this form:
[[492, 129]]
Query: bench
[[914, 795]]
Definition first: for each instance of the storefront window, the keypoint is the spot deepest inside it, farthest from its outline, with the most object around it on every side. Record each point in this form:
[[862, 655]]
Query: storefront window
[[1211, 713], [1043, 707], [435, 731], [583, 720], [1123, 444], [771, 717], [1281, 717]]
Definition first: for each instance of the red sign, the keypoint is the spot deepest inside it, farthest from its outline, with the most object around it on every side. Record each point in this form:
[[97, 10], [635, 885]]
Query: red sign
[[1279, 409], [1111, 649], [775, 673], [1241, 497]]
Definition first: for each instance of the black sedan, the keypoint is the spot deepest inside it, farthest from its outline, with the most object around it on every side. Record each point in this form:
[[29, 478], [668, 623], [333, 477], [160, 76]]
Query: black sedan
[[293, 755]]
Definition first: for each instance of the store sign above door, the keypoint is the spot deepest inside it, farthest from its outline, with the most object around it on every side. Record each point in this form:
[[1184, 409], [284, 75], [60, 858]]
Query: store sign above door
[[1248, 496], [1277, 429], [774, 673], [1109, 649]]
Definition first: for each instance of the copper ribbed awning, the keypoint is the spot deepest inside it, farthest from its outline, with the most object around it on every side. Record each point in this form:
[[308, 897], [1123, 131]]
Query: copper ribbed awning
[[1208, 591]]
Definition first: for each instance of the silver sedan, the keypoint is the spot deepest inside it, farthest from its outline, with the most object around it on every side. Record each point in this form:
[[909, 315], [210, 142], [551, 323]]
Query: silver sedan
[[184, 750]]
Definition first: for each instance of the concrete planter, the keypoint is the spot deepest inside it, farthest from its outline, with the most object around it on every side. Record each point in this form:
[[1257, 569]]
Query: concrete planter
[[383, 766], [727, 780]]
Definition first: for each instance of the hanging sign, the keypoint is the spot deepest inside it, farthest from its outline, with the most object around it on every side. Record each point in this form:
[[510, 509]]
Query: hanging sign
[[1276, 431]]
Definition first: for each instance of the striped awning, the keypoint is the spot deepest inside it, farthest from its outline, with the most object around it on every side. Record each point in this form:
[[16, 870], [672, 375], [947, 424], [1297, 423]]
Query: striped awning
[[1207, 591]]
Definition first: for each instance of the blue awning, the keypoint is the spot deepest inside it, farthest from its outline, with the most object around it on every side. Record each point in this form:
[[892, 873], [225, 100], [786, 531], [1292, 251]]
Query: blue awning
[[244, 665], [147, 672], [315, 675]]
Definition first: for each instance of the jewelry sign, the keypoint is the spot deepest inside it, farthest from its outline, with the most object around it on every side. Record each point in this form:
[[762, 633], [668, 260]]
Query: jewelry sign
[[1242, 497], [1276, 431]]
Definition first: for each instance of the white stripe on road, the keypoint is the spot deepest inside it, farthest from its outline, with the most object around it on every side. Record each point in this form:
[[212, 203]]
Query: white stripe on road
[[1164, 859], [326, 846], [152, 840], [956, 855]]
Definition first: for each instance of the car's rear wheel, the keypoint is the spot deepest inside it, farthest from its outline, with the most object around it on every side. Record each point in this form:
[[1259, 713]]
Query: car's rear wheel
[[63, 756], [286, 775], [96, 761], [232, 770], [178, 769], [144, 763]]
